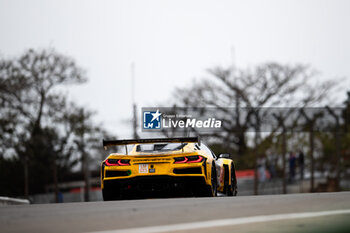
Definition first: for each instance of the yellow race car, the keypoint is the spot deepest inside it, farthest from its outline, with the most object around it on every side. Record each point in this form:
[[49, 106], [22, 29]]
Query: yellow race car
[[158, 167]]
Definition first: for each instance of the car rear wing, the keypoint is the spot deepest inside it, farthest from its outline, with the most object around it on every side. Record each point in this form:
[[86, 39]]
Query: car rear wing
[[108, 143]]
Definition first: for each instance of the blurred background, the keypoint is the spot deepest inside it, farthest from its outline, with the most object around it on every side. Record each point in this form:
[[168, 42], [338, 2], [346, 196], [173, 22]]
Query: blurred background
[[74, 72]]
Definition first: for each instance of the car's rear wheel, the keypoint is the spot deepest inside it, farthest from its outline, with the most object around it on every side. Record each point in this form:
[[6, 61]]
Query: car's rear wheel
[[109, 194], [106, 194], [231, 189], [214, 185]]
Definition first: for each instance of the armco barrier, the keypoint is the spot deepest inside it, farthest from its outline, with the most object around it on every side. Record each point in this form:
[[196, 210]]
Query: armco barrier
[[12, 201]]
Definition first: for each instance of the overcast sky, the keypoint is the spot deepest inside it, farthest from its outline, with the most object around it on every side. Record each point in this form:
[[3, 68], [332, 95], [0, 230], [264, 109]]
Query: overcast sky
[[173, 42]]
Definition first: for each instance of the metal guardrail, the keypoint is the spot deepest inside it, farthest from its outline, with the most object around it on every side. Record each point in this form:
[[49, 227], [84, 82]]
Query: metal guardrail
[[13, 201]]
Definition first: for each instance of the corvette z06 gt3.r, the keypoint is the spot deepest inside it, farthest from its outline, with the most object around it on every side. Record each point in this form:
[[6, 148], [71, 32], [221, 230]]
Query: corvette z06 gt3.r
[[161, 166]]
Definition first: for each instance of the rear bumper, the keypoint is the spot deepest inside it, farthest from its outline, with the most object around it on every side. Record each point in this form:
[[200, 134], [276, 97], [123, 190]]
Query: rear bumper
[[144, 186]]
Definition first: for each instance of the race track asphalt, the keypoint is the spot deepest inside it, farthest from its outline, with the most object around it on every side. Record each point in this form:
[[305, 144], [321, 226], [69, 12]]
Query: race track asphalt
[[147, 215]]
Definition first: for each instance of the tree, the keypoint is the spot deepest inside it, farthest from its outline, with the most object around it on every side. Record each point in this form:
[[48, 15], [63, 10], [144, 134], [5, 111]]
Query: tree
[[38, 125], [234, 92], [88, 141]]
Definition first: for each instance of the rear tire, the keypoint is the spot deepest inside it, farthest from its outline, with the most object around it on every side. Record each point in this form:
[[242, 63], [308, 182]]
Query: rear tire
[[231, 190], [106, 194], [109, 194], [214, 186]]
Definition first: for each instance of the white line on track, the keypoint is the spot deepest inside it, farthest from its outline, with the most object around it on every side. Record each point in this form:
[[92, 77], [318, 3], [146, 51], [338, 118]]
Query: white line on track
[[225, 222]]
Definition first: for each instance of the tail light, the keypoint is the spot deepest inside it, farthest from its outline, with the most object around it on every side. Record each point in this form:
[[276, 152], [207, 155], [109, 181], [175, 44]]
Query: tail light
[[189, 159], [117, 162]]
